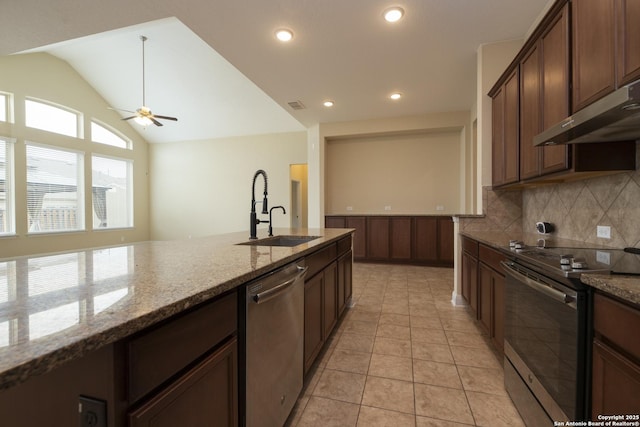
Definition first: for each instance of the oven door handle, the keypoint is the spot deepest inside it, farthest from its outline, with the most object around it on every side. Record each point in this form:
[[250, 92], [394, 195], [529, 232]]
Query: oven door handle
[[540, 287]]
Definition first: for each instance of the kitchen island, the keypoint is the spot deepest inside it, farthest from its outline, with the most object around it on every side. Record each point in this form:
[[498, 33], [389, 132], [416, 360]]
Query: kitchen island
[[59, 311]]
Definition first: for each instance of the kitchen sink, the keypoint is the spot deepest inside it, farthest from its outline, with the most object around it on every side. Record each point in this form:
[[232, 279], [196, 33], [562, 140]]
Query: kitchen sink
[[289, 241]]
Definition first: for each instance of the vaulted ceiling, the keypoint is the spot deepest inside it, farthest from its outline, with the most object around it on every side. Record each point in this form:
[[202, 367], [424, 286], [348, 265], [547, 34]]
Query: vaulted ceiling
[[218, 67]]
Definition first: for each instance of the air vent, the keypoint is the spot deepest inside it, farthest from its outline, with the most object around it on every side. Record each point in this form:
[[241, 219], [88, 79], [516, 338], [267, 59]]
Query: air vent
[[296, 105]]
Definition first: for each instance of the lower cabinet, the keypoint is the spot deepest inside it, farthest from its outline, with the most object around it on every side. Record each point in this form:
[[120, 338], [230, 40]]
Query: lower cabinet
[[327, 292], [206, 395], [616, 358]]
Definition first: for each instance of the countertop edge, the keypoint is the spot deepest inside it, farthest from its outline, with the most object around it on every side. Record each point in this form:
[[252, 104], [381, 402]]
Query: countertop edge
[[56, 357]]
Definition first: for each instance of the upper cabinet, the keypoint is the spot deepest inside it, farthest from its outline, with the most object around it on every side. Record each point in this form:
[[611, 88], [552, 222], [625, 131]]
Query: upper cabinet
[[606, 47], [545, 84]]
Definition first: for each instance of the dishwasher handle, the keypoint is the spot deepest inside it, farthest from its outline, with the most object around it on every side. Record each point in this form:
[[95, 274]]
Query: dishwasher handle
[[265, 296]]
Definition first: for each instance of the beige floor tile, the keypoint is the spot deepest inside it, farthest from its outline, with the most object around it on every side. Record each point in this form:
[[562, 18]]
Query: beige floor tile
[[357, 342], [385, 393], [484, 380], [399, 368], [461, 325], [402, 308], [432, 422], [431, 322], [357, 313], [296, 412], [392, 347], [394, 331], [339, 385], [359, 327], [479, 357], [376, 417], [466, 339], [436, 373], [349, 361], [429, 351], [393, 319], [311, 380], [442, 403], [493, 411], [321, 412], [435, 336]]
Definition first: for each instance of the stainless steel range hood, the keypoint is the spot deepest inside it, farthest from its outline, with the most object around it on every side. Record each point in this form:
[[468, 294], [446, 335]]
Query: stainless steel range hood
[[616, 117]]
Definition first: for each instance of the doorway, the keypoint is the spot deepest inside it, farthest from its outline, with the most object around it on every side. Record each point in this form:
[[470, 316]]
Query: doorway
[[298, 176]]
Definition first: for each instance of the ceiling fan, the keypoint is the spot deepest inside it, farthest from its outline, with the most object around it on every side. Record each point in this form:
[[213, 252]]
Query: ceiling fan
[[143, 115]]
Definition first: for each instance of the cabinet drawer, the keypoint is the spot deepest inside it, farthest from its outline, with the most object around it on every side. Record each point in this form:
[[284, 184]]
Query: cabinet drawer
[[344, 245], [162, 352], [615, 321], [320, 259], [470, 246], [491, 257]]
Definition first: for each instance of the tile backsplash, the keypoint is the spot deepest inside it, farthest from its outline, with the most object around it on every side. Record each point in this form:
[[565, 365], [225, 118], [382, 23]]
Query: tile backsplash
[[577, 208]]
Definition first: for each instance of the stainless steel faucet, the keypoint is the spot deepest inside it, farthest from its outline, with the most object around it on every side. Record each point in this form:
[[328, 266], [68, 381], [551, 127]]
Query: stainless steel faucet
[[271, 221], [254, 221]]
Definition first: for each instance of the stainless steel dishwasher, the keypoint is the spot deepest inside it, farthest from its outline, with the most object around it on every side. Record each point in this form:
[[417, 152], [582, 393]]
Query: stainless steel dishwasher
[[274, 345]]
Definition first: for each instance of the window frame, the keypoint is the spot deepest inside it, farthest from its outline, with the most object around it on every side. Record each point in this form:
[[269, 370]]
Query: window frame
[[127, 141], [79, 128], [129, 193], [10, 193], [80, 188]]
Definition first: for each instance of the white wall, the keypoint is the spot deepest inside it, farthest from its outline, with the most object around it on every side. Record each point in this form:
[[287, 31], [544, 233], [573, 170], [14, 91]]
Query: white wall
[[317, 137], [202, 188]]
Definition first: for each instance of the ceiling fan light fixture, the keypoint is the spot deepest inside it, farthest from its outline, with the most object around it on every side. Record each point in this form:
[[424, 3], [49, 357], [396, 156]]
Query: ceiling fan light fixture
[[284, 34], [328, 103], [143, 121], [393, 14], [395, 96]]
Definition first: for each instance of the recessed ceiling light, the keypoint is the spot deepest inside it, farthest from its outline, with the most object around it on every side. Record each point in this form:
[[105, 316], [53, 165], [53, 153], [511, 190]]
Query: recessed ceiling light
[[395, 96], [393, 14], [328, 103], [284, 35]]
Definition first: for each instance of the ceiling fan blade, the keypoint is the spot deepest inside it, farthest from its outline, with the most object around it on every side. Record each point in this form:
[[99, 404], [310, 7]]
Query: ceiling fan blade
[[165, 117], [155, 122], [131, 117]]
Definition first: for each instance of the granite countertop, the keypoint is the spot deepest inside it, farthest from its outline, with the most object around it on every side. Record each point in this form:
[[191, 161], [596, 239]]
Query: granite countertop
[[57, 307], [621, 286]]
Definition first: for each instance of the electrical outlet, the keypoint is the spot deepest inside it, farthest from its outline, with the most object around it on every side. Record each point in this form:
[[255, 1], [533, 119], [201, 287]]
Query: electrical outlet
[[387, 208], [92, 412], [439, 207], [603, 231], [603, 257], [349, 208]]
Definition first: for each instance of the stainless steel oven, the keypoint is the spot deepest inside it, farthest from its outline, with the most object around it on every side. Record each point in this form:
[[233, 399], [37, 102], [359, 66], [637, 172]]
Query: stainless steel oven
[[546, 348]]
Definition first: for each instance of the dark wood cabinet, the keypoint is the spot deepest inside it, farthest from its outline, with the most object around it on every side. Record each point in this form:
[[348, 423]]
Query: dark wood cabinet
[[498, 312], [313, 314], [505, 139], [330, 290], [400, 238], [423, 240], [470, 272], [628, 40], [594, 63], [485, 284], [358, 223], [530, 122], [378, 238], [345, 281], [204, 395], [616, 358], [606, 47]]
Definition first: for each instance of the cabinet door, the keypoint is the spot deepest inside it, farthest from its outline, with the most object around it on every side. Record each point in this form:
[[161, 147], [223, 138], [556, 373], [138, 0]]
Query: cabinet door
[[594, 48], [485, 283], [530, 124], [498, 309], [511, 133], [359, 236], [344, 281], [378, 238], [628, 42], [554, 45], [400, 238], [330, 292], [334, 222], [497, 138], [445, 240], [313, 325], [470, 281], [425, 239], [207, 395], [615, 382]]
